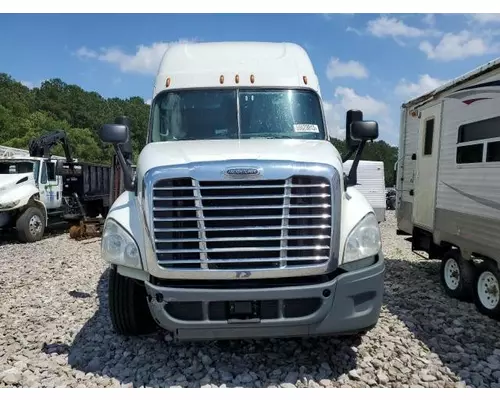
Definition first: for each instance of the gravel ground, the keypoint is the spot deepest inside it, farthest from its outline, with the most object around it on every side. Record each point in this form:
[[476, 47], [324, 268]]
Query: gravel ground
[[55, 332]]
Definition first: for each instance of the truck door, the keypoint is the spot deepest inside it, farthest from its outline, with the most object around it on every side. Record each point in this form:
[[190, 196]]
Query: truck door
[[50, 185], [426, 172]]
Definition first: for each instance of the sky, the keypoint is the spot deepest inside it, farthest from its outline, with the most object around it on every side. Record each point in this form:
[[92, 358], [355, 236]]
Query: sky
[[372, 62]]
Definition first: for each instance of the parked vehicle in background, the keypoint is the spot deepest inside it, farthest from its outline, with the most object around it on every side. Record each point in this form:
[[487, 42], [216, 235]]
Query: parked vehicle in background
[[448, 183], [371, 184], [240, 221], [37, 188], [390, 198]]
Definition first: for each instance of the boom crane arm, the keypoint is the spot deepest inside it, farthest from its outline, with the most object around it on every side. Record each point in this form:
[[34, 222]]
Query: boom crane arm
[[40, 147]]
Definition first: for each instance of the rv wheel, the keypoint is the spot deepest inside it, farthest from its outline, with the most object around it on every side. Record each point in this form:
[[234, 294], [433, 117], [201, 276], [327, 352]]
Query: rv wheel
[[457, 275], [487, 290]]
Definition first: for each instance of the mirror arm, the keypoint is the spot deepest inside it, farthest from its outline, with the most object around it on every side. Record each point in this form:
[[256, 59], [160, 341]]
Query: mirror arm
[[348, 155], [129, 182], [352, 178]]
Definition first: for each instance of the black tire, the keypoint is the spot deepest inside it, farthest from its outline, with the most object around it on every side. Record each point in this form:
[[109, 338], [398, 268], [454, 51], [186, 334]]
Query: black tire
[[489, 275], [461, 285], [128, 307], [30, 225]]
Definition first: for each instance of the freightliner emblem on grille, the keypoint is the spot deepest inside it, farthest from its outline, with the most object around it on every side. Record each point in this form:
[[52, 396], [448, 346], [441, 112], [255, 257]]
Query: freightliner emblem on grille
[[242, 172]]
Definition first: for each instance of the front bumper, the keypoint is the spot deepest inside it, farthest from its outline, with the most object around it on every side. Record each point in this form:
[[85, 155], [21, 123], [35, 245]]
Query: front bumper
[[349, 303]]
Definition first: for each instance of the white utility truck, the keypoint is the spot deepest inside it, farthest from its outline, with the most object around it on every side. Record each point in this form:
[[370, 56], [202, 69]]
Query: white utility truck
[[37, 188], [448, 183], [239, 221], [371, 184]]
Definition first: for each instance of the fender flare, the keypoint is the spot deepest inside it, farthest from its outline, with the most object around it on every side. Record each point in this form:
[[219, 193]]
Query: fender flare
[[42, 207]]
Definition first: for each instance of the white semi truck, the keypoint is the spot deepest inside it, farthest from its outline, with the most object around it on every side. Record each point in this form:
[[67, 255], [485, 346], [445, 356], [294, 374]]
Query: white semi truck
[[240, 221]]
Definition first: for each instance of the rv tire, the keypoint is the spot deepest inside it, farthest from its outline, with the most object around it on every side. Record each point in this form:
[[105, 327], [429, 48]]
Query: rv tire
[[128, 307], [487, 290], [457, 275]]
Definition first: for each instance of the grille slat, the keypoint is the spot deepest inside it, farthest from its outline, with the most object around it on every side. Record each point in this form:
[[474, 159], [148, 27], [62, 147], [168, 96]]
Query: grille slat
[[238, 225], [245, 238], [250, 197], [250, 260], [244, 217], [244, 228], [324, 205], [221, 249]]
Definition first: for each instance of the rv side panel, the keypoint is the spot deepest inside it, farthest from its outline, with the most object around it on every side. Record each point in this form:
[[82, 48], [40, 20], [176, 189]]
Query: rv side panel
[[468, 196]]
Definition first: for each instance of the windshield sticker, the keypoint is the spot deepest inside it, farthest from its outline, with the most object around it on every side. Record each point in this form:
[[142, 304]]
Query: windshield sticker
[[306, 128]]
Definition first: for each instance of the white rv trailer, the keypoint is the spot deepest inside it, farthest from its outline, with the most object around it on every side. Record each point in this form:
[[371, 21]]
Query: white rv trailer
[[371, 184], [448, 183]]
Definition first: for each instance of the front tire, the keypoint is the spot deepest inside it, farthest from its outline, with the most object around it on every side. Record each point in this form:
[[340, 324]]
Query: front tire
[[457, 276], [128, 307], [30, 225], [487, 290]]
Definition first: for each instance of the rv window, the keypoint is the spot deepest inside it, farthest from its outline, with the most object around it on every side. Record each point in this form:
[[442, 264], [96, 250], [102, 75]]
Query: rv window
[[429, 135], [479, 130], [493, 152], [470, 154]]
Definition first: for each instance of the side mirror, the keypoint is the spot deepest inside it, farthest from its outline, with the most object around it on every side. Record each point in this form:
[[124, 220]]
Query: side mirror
[[351, 117], [357, 132], [114, 133], [364, 130], [118, 134]]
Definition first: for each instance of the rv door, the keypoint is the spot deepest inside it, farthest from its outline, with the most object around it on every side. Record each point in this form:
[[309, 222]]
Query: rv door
[[426, 167]]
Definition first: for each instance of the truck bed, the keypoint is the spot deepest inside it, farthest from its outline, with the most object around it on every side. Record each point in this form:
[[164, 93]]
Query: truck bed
[[89, 180]]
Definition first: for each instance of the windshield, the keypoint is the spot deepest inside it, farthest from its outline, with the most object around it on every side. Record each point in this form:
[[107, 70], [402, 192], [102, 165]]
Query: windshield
[[18, 167], [213, 114]]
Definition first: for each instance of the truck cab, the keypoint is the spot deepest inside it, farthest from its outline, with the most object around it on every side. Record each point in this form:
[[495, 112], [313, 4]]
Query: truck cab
[[239, 220], [29, 189]]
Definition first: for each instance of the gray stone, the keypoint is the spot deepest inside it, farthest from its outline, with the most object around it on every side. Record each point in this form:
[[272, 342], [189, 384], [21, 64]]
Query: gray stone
[[325, 383], [353, 374], [226, 376], [382, 378], [11, 376], [292, 377]]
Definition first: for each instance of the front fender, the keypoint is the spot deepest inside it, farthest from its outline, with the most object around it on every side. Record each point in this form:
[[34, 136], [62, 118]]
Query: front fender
[[126, 212], [23, 193]]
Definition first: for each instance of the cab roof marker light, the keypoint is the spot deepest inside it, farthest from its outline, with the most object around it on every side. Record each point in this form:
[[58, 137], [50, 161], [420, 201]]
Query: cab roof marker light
[[167, 83]]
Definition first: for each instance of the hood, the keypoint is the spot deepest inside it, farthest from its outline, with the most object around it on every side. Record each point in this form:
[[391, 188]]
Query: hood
[[184, 152], [7, 180]]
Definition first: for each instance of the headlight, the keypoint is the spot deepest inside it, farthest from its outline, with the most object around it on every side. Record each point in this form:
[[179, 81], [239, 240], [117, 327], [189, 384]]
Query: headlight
[[363, 241], [118, 247], [9, 204]]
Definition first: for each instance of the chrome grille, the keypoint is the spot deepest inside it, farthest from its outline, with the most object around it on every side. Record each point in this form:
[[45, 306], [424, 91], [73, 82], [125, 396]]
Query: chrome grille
[[247, 224]]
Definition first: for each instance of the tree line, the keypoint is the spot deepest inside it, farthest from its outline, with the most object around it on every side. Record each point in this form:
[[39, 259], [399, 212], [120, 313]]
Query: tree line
[[27, 113]]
